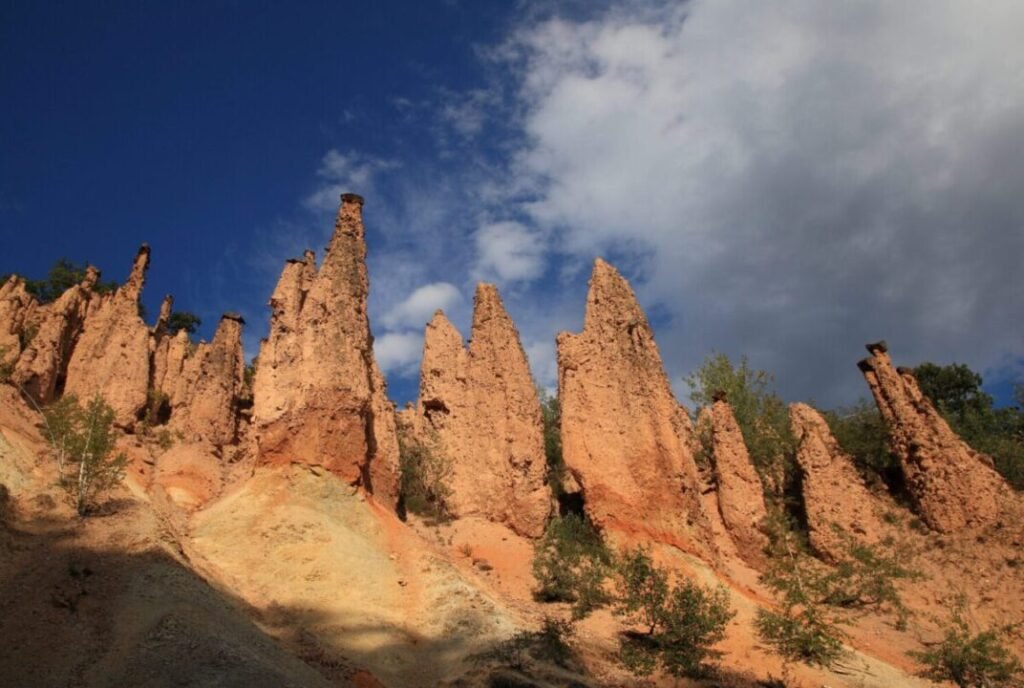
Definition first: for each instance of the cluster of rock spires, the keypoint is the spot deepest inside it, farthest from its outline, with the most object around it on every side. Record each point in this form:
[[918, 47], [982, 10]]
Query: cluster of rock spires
[[319, 399]]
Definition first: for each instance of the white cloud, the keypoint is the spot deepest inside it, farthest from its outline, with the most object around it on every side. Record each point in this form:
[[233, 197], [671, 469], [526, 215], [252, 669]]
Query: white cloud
[[398, 352], [417, 309], [345, 172], [794, 178], [508, 252]]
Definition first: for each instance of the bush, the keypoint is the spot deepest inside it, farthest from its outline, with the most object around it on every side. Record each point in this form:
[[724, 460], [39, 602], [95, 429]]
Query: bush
[[971, 660], [681, 622], [62, 276], [815, 599], [551, 416], [571, 564], [424, 472], [83, 440], [549, 644], [183, 320]]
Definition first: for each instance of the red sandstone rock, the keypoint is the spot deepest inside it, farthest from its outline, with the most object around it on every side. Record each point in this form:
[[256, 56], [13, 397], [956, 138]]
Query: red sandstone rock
[[16, 306], [319, 398], [204, 400], [740, 493], [834, 492], [953, 486], [42, 366], [482, 407], [111, 357], [625, 439]]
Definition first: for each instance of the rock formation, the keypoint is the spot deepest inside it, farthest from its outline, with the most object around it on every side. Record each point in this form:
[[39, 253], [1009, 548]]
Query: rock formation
[[16, 306], [111, 357], [42, 367], [953, 486], [740, 494], [482, 407], [204, 400], [834, 492], [625, 439], [319, 397]]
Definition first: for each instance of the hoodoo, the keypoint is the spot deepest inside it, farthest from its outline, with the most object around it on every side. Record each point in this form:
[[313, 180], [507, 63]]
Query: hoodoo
[[319, 397], [835, 495], [625, 439], [483, 409], [953, 486], [111, 357], [740, 493]]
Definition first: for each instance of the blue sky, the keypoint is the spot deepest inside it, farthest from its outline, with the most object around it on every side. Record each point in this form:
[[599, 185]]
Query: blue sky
[[785, 182]]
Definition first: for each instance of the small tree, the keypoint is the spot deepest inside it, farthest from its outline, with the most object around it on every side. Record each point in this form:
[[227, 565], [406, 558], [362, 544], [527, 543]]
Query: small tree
[[183, 320], [681, 622], [62, 276], [969, 659], [424, 472], [83, 440], [571, 564]]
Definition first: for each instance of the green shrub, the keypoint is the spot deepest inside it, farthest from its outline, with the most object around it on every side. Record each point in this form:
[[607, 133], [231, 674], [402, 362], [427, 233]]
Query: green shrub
[[83, 440], [424, 473], [62, 276], [183, 320], [571, 564], [551, 644], [681, 622], [969, 659], [816, 599], [862, 433]]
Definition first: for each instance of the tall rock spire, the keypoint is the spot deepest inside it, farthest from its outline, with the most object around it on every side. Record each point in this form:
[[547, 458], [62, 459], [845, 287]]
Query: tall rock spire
[[482, 407], [319, 397], [953, 486], [625, 438], [112, 356]]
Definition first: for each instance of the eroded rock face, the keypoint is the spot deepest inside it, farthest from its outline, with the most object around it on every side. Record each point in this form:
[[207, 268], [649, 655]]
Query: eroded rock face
[[953, 486], [319, 398], [625, 439], [16, 307], [204, 401], [482, 408], [42, 368], [111, 357], [740, 493], [834, 492]]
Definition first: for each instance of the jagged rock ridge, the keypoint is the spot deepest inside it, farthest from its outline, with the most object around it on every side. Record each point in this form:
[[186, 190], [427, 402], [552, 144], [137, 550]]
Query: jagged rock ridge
[[319, 397], [626, 440], [480, 406]]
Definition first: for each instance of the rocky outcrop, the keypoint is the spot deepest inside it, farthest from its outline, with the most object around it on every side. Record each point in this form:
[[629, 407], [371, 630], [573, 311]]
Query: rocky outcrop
[[169, 361], [834, 493], [204, 398], [42, 368], [111, 357], [740, 494], [319, 397], [16, 307], [953, 486], [481, 407], [625, 439]]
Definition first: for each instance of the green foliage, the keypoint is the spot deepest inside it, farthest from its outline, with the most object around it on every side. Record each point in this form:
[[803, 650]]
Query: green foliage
[[956, 392], [552, 644], [682, 622], [862, 433], [761, 414], [62, 276], [816, 599], [571, 564], [969, 659], [249, 375], [424, 472], [157, 408], [183, 320], [551, 415], [83, 440]]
